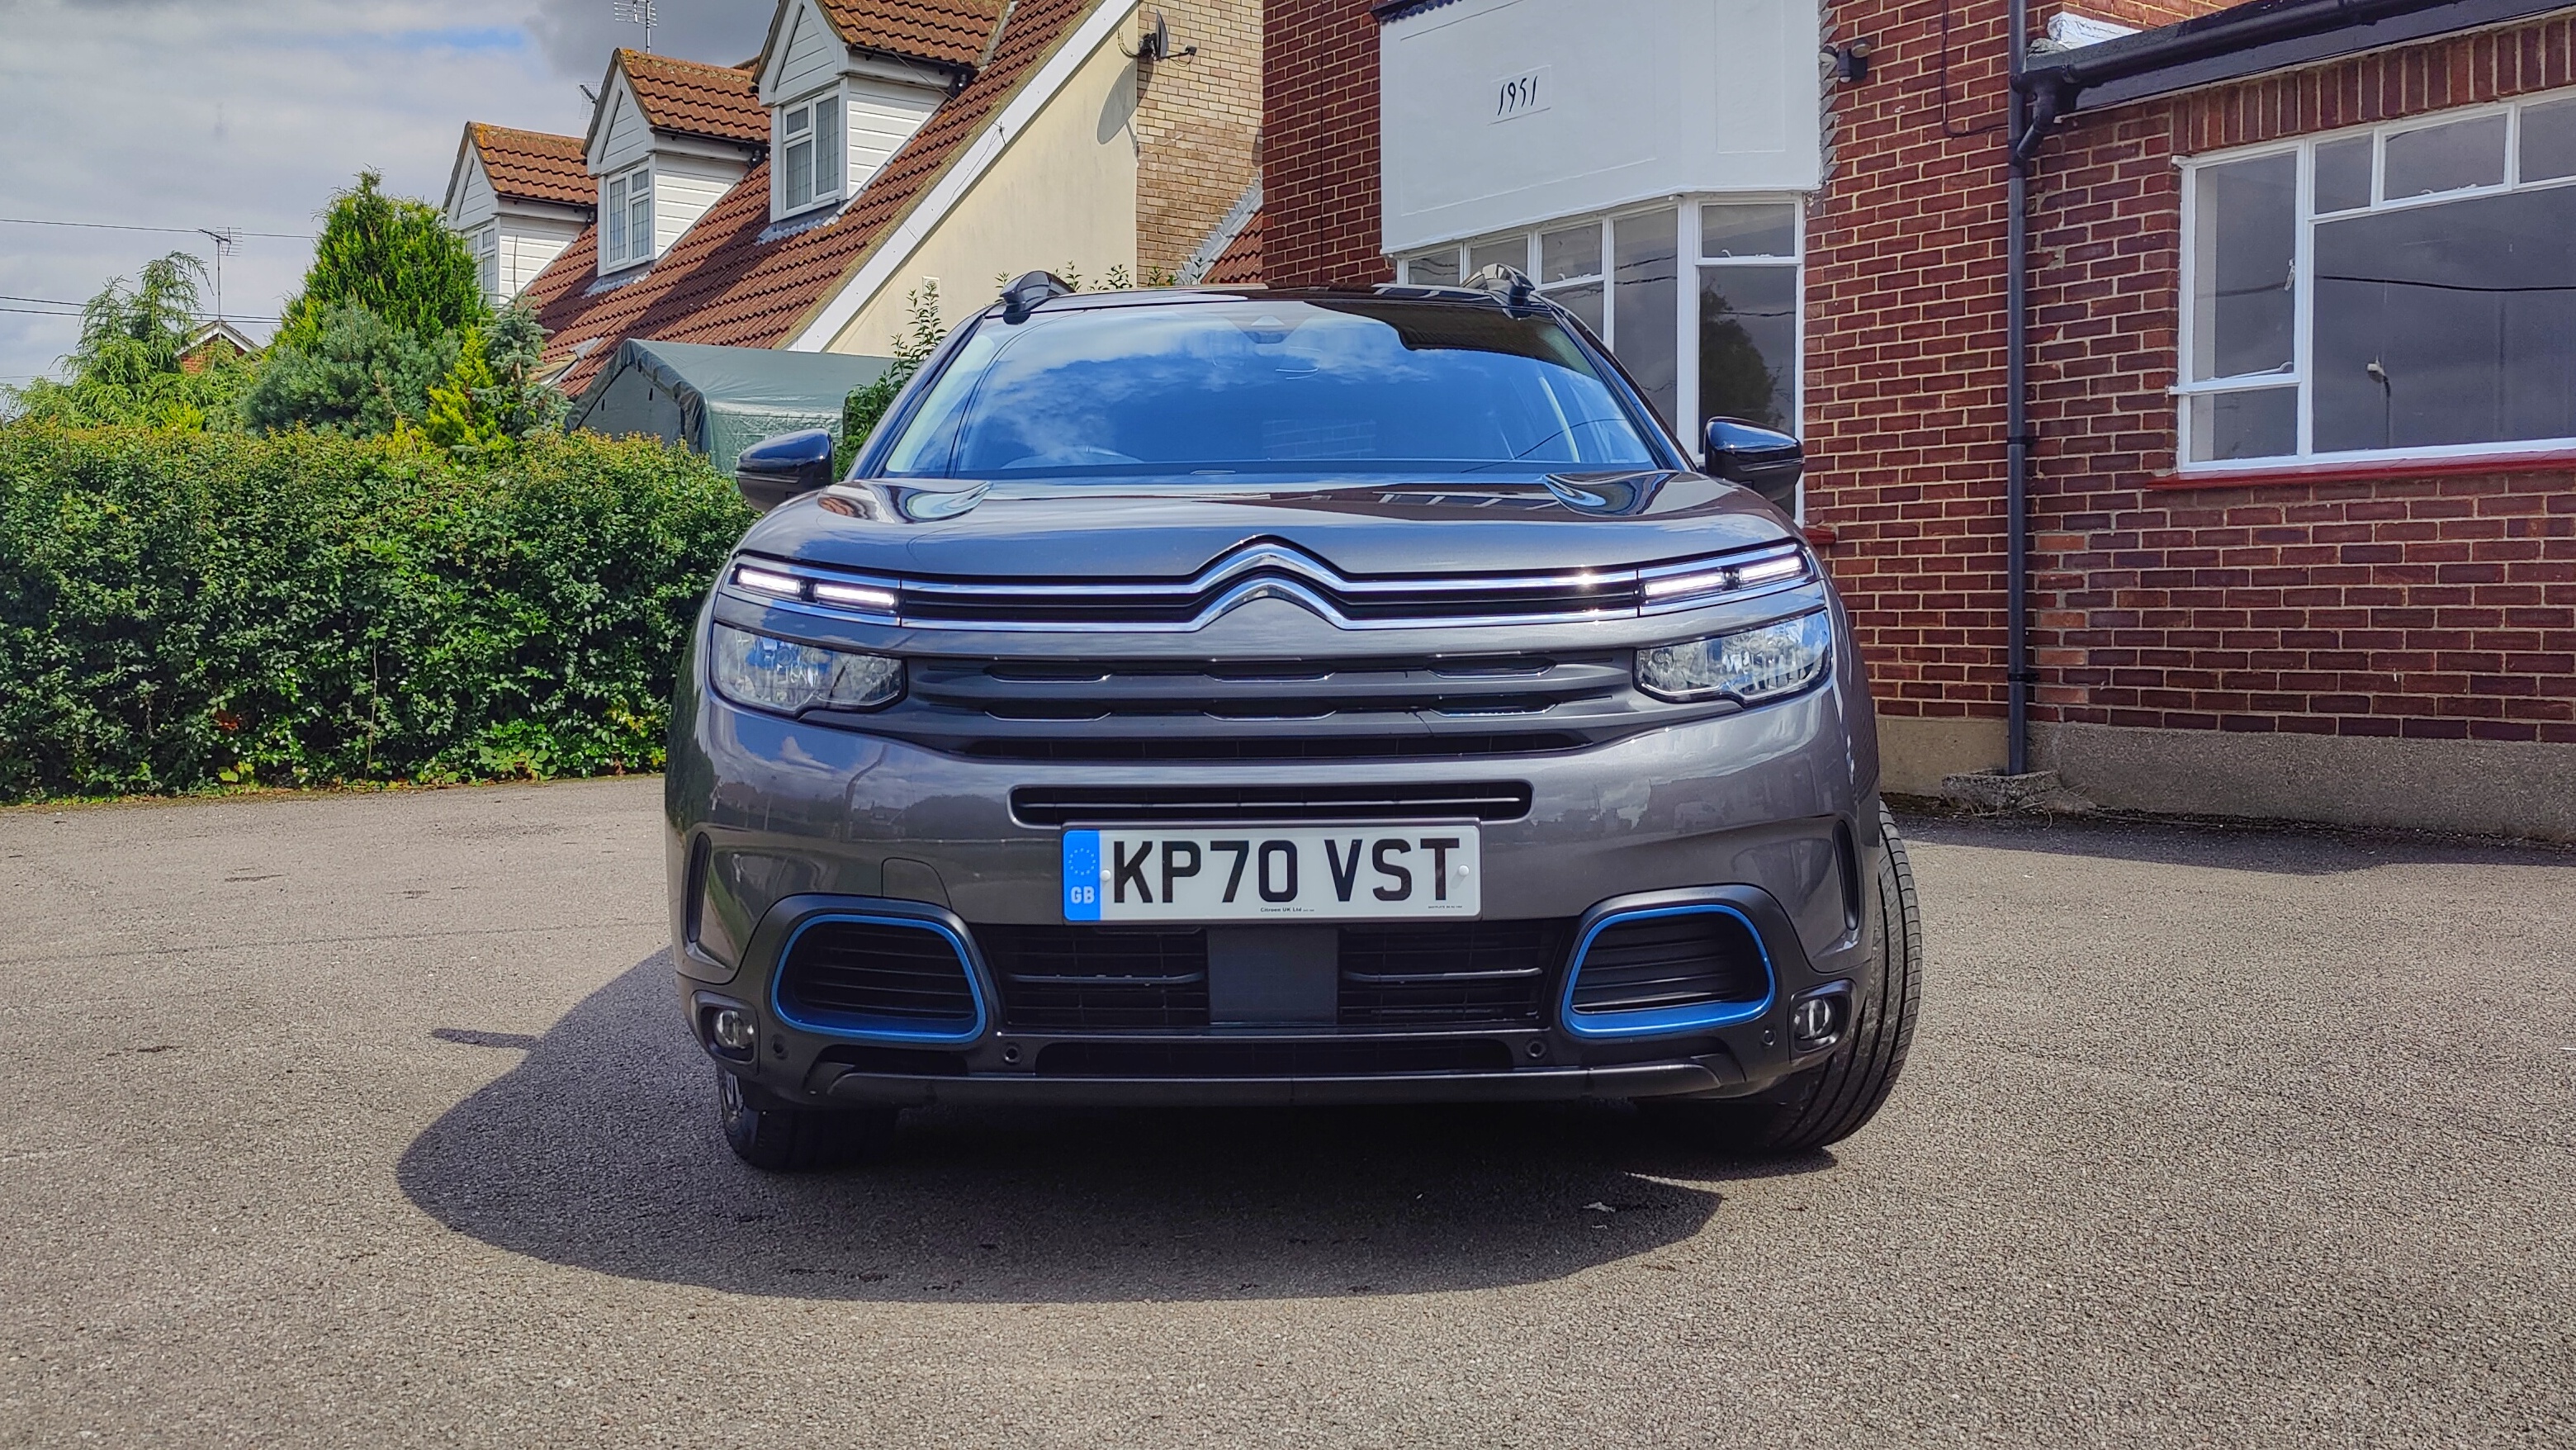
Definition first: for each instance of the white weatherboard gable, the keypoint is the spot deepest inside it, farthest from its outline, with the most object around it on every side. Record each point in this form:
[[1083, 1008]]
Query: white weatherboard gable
[[812, 57], [470, 199], [1496, 114], [883, 115], [685, 187], [622, 139]]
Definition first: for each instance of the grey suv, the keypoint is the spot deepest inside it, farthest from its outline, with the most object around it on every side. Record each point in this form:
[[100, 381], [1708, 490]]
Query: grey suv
[[1239, 696]]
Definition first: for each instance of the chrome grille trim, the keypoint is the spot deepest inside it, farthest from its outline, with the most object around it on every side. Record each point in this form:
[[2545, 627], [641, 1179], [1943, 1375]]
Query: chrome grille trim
[[1270, 571]]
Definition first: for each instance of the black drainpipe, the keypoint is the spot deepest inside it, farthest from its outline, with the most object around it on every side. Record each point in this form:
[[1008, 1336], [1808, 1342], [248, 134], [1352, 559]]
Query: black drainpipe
[[2022, 136]]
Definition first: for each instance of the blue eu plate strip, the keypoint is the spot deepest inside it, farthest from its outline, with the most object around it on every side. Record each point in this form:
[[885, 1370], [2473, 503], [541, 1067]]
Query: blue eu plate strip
[[1082, 875]]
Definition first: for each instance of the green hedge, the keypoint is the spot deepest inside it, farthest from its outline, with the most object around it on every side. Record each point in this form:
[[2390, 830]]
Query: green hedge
[[187, 610]]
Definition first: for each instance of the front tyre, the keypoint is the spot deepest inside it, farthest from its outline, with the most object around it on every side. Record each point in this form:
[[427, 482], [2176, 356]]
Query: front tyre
[[772, 1135], [1830, 1102]]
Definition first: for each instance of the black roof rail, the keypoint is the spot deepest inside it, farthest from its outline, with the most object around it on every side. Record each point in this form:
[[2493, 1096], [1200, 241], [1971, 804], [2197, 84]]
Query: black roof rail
[[1512, 285], [1028, 290]]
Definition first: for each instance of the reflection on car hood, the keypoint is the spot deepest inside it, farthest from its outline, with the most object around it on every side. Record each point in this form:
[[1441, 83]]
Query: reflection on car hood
[[1111, 529]]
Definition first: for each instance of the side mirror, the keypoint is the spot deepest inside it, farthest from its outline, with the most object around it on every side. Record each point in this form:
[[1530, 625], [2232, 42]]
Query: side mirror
[[774, 470], [1768, 463]]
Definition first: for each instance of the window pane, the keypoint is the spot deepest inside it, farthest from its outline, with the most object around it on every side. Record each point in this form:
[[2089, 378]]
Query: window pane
[[1748, 345], [1570, 252], [798, 169], [639, 218], [2549, 141], [2242, 303], [2259, 424], [1739, 229], [1512, 252], [1642, 311], [2343, 175], [1583, 299], [613, 221], [2445, 158], [830, 172], [1433, 269], [2448, 324], [799, 120]]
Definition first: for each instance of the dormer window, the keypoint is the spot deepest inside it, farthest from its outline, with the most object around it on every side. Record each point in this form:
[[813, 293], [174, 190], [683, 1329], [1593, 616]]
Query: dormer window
[[811, 141], [626, 219], [487, 262]]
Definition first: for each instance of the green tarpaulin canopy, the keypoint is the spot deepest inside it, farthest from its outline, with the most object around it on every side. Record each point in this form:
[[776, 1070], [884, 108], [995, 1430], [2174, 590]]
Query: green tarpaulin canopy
[[720, 400]]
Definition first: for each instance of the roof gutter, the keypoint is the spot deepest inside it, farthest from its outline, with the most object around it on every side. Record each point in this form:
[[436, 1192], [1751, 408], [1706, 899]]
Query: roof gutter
[[2227, 45]]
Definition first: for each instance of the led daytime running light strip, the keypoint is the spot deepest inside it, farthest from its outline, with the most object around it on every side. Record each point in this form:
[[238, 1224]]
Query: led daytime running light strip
[[821, 591]]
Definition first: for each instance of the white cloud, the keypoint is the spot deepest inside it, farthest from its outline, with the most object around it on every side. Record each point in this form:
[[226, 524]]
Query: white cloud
[[250, 113]]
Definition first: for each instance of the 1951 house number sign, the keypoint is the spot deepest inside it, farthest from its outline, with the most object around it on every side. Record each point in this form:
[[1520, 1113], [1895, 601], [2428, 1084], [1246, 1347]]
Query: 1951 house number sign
[[1522, 94]]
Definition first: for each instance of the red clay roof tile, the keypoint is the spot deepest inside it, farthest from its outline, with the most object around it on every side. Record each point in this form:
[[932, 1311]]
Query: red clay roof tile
[[721, 284], [1240, 262], [695, 98], [943, 32], [535, 166]]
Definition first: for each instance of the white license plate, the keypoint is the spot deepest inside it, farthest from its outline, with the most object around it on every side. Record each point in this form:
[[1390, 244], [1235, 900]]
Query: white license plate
[[1234, 873]]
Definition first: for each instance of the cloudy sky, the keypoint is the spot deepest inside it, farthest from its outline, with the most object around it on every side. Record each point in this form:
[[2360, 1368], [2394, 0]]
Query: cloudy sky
[[248, 114]]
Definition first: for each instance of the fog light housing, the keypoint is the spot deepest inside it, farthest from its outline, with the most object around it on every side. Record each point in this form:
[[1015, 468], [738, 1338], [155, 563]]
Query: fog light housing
[[732, 1031], [1818, 1020]]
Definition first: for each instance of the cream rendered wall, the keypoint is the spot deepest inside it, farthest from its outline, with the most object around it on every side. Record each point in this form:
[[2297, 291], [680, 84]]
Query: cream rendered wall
[[1062, 193]]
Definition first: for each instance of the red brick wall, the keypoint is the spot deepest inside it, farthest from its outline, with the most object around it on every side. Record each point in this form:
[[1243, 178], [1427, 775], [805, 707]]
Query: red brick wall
[[1905, 364], [1319, 172], [2440, 604]]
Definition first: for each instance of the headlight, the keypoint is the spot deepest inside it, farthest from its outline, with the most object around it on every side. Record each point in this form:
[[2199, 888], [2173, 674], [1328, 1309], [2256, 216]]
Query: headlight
[[776, 674], [1748, 665]]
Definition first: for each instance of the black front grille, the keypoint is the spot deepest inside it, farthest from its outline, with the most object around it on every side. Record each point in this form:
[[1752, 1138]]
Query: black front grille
[[1072, 978], [875, 974], [1463, 972], [1671, 961], [1271, 1059], [1172, 604], [1133, 804]]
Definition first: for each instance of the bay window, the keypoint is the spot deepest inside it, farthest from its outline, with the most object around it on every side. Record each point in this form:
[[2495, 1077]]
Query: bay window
[[2408, 291], [812, 142], [1699, 301], [626, 219]]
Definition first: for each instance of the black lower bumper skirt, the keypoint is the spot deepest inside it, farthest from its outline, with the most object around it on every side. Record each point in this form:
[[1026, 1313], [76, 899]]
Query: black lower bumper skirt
[[1714, 1075]]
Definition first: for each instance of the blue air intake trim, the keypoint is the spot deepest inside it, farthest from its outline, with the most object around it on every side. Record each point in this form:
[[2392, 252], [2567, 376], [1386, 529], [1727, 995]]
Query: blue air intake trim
[[859, 1028], [1663, 1021]]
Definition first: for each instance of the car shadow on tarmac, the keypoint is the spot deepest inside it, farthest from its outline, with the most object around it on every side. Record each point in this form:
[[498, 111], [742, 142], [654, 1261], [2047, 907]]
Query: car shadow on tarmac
[[600, 1150]]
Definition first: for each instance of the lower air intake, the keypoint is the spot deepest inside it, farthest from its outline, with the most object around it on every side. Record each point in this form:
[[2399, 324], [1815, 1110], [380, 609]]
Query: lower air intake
[[1270, 1059], [1676, 958], [882, 975]]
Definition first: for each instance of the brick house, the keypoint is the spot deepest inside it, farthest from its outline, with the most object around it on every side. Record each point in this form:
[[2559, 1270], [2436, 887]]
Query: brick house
[[2299, 494], [798, 199]]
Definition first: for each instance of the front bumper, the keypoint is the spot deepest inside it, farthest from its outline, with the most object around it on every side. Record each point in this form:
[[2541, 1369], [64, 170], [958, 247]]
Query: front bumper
[[776, 821]]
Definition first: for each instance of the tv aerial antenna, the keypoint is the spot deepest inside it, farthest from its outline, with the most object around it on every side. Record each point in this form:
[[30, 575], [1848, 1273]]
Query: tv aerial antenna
[[637, 12], [225, 240]]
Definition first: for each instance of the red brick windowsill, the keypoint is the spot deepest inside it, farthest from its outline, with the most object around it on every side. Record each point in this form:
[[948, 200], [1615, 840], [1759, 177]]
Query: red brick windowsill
[[2551, 460], [1821, 536]]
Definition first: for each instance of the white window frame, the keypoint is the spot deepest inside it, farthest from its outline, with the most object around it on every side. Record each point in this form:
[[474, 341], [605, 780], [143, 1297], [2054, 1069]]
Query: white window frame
[[2301, 374], [487, 261], [616, 203], [782, 205], [1689, 245]]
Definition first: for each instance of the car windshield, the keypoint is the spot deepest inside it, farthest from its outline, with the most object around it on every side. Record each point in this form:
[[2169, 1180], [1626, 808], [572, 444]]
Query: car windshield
[[1358, 385]]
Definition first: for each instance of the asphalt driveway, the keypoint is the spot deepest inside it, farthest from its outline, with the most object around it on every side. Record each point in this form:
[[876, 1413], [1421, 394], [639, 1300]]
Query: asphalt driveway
[[366, 1120]]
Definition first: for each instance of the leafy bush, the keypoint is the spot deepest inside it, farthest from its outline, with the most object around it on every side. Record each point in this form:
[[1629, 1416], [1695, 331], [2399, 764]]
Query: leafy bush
[[181, 610]]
